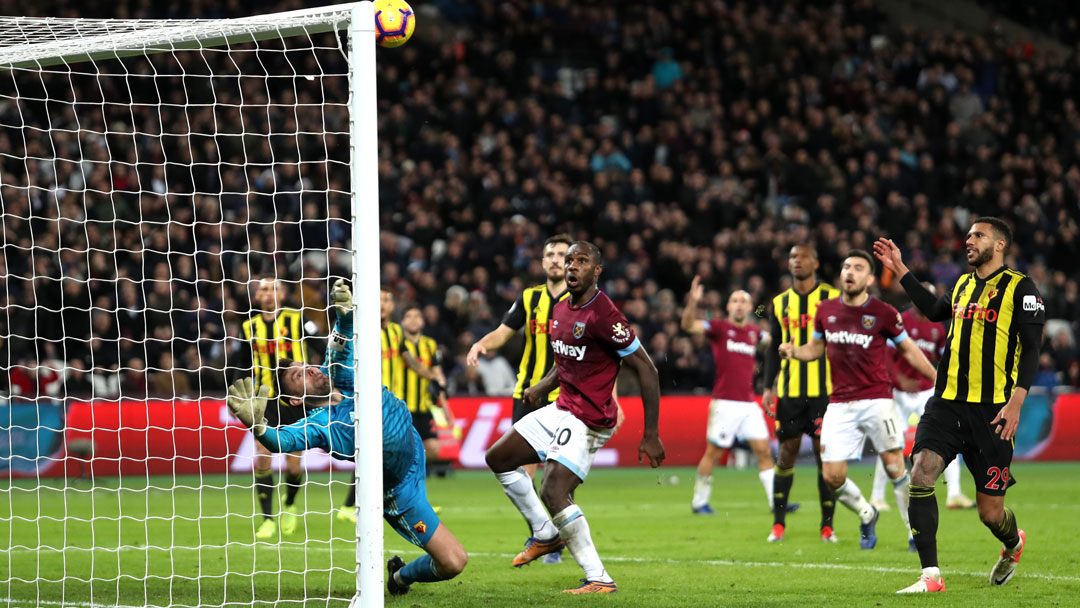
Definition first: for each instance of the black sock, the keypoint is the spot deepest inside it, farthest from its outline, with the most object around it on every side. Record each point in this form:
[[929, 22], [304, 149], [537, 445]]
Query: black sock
[[1006, 531], [264, 489], [350, 498], [292, 486], [923, 514], [827, 496], [781, 489]]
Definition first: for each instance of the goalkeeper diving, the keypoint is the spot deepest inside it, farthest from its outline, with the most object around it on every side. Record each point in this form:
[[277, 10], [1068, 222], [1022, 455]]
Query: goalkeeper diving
[[327, 393]]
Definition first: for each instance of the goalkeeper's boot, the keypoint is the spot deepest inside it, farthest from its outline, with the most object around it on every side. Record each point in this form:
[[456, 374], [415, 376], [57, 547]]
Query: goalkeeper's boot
[[925, 584], [392, 566], [536, 548], [267, 530], [1006, 565], [868, 532], [290, 519], [776, 534], [588, 586], [346, 514]]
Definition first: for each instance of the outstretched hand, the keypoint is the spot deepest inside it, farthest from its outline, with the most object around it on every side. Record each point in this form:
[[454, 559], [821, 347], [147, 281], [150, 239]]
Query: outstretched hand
[[473, 358], [341, 297], [888, 253], [247, 401], [697, 290]]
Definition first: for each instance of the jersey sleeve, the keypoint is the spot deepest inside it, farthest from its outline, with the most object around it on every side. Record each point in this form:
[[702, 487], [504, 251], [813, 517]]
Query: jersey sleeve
[[310, 432], [893, 329], [615, 331], [1028, 304], [713, 328], [515, 317], [339, 350]]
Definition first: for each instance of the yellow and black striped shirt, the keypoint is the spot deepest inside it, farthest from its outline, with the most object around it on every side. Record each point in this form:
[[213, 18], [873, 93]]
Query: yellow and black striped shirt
[[393, 364], [982, 351], [426, 352], [533, 312], [272, 340], [793, 321]]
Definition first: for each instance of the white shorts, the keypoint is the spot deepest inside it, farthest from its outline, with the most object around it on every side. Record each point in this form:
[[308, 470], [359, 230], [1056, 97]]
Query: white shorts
[[911, 403], [731, 419], [558, 435], [847, 426]]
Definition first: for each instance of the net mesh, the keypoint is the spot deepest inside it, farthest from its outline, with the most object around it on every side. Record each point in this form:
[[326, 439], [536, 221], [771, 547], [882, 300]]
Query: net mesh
[[142, 201]]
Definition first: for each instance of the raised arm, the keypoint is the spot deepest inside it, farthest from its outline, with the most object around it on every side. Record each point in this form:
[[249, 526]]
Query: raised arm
[[935, 309], [650, 445], [690, 323], [916, 358]]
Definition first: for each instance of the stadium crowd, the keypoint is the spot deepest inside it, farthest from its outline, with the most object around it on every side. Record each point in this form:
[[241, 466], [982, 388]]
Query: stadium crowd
[[688, 138]]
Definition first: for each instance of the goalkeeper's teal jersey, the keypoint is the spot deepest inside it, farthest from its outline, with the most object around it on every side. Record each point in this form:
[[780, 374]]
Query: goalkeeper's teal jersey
[[331, 427]]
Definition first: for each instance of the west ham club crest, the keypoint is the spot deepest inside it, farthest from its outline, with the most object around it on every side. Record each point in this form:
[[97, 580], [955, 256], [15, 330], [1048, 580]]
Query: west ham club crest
[[579, 329], [868, 321]]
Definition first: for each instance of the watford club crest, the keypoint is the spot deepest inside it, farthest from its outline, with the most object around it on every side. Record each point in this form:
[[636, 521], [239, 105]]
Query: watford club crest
[[868, 321], [420, 527], [579, 329]]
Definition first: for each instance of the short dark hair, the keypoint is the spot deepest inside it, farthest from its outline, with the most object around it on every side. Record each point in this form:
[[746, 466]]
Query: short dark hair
[[862, 253], [1000, 226], [594, 251], [562, 238], [810, 246]]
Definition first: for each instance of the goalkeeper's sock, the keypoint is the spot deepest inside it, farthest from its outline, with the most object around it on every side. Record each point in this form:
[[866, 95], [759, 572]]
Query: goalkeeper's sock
[[574, 531], [923, 512], [1007, 531], [519, 489], [827, 497], [782, 481], [350, 498], [264, 489], [292, 486], [420, 570]]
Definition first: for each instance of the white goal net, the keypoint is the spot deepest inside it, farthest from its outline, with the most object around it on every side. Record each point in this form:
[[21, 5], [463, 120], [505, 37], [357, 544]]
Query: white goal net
[[157, 179]]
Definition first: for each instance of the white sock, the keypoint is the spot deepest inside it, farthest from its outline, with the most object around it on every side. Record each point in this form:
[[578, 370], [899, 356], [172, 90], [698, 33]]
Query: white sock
[[702, 491], [519, 489], [574, 531], [877, 492], [851, 497], [767, 477], [900, 489], [952, 478], [932, 572]]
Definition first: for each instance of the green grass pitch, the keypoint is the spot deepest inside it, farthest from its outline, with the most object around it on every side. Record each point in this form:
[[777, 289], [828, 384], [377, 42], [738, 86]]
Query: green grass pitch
[[659, 553]]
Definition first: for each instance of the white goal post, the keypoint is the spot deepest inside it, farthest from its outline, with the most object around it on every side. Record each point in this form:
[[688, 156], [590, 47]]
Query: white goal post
[[125, 147]]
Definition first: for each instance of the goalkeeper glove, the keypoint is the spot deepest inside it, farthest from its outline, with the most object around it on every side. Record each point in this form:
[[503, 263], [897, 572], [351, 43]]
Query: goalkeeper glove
[[341, 297], [248, 403]]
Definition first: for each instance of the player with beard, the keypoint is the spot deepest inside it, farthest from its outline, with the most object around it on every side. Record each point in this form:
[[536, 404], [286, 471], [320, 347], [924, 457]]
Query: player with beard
[[732, 411], [991, 356], [326, 395], [591, 339], [802, 389], [853, 331]]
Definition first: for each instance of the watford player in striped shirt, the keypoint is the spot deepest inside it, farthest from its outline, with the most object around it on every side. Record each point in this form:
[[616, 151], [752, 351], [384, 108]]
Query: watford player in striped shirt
[[802, 387], [991, 356]]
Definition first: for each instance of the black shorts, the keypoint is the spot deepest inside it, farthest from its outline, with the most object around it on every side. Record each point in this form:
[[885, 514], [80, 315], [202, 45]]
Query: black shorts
[[278, 414], [521, 409], [798, 416], [948, 428], [424, 424]]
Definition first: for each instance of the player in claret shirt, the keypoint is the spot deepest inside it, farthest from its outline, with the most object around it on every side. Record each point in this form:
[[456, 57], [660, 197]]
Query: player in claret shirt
[[852, 331], [590, 339], [732, 411]]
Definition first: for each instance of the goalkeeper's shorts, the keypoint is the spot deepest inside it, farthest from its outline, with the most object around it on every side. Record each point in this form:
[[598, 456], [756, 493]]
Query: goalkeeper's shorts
[[406, 507]]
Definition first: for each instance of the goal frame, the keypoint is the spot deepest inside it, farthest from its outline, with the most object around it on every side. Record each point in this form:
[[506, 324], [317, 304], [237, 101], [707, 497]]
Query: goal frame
[[357, 20]]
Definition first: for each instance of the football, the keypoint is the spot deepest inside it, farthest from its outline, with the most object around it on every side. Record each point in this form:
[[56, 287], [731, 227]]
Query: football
[[394, 22]]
